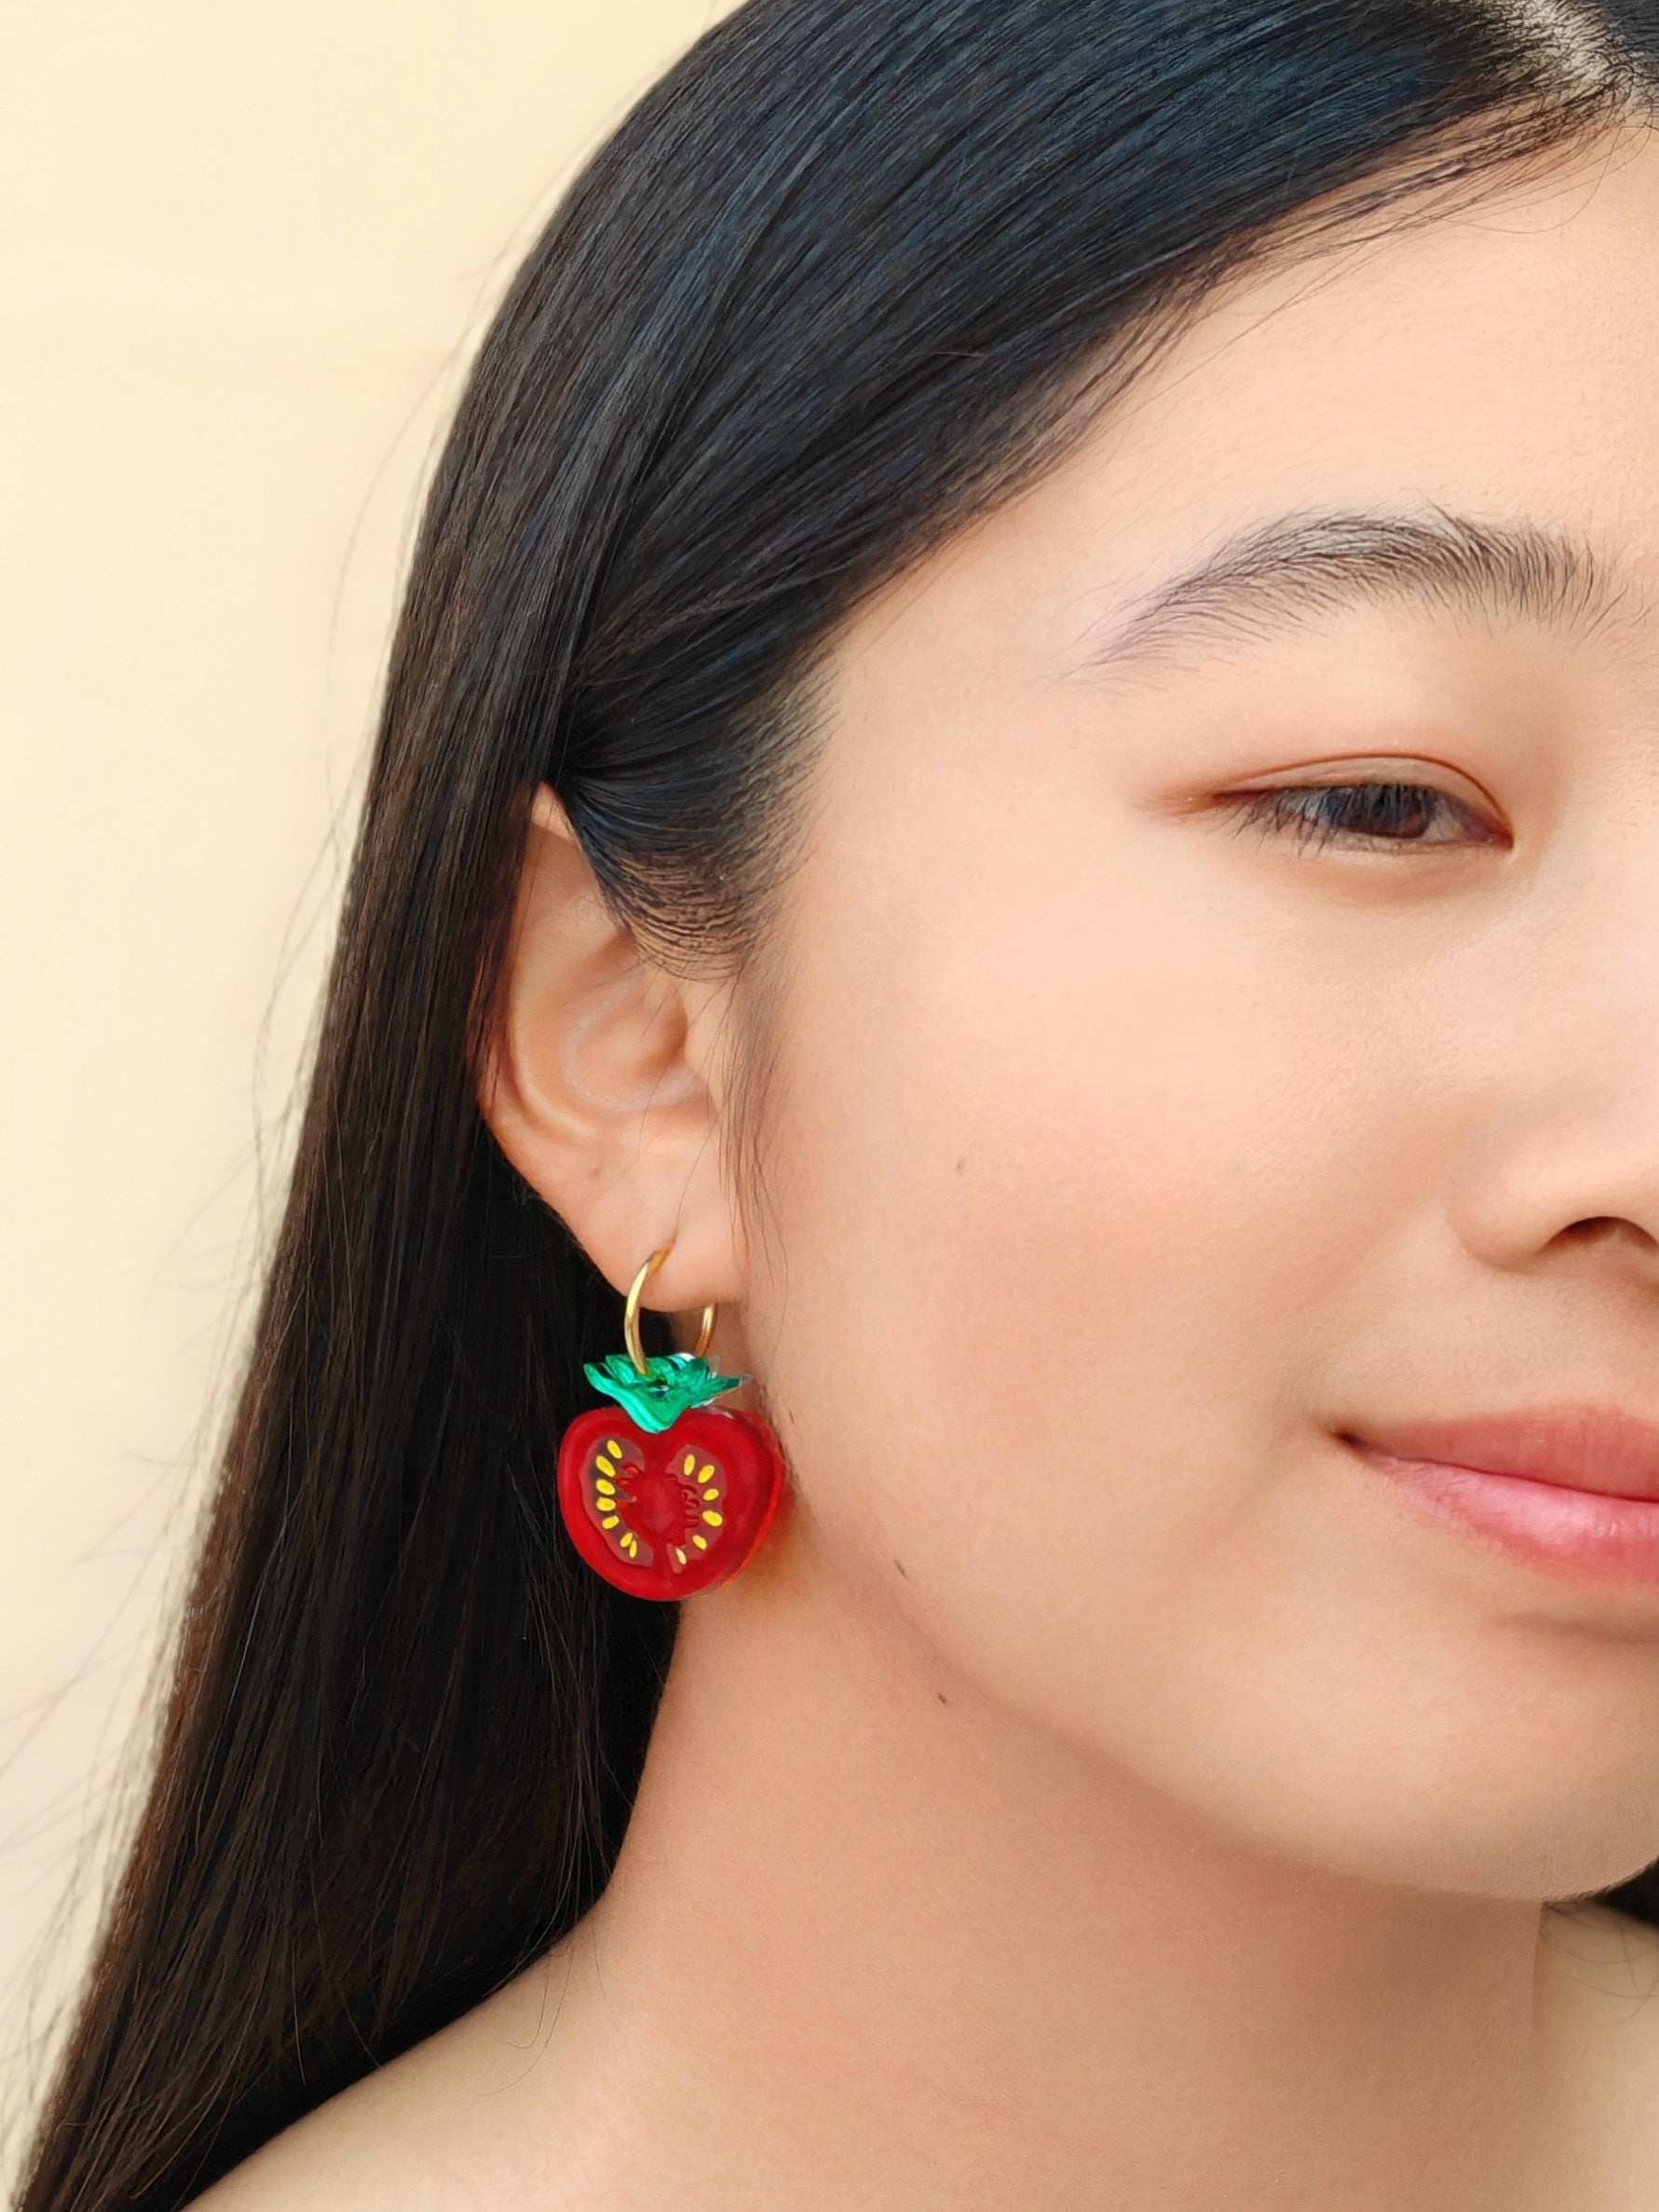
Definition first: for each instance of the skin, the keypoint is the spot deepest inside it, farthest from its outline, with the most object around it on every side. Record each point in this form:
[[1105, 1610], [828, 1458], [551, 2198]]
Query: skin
[[1102, 1790]]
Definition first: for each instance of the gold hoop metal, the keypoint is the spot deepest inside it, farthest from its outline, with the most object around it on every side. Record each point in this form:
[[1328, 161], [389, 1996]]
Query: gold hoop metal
[[631, 1314]]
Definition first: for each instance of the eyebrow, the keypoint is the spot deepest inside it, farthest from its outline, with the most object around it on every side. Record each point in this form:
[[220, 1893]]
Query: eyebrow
[[1298, 567]]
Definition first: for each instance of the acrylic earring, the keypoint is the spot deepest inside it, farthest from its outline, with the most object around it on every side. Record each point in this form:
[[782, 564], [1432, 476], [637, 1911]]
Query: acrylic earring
[[672, 1494]]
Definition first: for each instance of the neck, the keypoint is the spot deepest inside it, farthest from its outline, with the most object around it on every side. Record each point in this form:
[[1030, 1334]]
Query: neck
[[889, 1942]]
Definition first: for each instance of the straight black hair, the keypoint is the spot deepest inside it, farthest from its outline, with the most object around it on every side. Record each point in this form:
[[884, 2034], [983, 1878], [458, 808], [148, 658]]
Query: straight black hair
[[846, 275]]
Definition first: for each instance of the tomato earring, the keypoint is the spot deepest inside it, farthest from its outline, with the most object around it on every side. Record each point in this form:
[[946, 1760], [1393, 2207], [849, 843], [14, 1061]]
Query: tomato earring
[[672, 1494]]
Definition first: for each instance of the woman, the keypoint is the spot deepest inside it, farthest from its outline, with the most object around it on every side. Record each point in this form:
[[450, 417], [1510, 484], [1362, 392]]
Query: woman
[[1021, 756]]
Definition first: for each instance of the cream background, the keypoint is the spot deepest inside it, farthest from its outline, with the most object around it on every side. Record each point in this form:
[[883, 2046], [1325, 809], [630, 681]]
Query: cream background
[[243, 253]]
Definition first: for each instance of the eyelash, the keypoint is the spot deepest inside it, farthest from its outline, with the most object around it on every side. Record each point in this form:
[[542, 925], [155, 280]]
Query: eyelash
[[1272, 811]]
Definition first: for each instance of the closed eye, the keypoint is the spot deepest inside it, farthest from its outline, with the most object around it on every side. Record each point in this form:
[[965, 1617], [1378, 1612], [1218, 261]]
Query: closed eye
[[1374, 816]]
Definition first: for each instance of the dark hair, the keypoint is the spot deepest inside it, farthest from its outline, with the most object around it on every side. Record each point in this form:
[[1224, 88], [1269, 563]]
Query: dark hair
[[842, 277]]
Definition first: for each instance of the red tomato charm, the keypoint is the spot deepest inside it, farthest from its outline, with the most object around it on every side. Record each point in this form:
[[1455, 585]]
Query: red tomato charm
[[669, 1511]]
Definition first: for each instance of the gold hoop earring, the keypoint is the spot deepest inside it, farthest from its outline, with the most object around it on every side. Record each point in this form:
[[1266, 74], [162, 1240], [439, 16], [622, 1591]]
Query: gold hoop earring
[[631, 1314]]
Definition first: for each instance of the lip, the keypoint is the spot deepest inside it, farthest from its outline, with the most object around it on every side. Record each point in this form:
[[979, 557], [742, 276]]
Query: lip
[[1572, 1489]]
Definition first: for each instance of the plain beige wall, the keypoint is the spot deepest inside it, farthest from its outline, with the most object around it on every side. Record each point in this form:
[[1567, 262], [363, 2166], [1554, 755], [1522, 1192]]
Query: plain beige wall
[[245, 253]]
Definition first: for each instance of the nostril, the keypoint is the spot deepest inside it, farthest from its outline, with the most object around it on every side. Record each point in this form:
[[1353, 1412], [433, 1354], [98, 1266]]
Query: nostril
[[1604, 1224]]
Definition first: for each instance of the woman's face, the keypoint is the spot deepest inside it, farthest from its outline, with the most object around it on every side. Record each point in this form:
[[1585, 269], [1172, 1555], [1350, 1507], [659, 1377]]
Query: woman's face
[[1127, 1150]]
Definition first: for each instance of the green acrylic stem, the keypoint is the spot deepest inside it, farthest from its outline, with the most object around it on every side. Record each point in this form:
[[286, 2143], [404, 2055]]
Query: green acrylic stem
[[672, 1385]]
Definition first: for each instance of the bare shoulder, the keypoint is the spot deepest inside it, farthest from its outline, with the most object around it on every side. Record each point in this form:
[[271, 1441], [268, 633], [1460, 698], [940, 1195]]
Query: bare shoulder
[[449, 2126]]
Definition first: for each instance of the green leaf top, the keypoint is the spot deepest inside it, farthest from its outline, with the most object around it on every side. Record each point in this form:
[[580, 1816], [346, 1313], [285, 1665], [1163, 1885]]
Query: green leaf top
[[672, 1385]]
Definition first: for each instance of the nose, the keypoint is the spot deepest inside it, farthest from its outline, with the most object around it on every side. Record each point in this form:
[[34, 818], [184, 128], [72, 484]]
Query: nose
[[1562, 1153]]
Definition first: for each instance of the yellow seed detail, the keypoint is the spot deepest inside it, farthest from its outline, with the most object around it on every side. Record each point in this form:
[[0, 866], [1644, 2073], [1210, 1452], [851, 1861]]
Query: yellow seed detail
[[711, 1494], [706, 1475], [688, 1464], [614, 1448], [679, 1555], [714, 1519], [701, 1543], [610, 1520]]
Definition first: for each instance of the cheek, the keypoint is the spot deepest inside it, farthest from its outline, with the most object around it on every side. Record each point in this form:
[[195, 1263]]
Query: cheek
[[1057, 1184]]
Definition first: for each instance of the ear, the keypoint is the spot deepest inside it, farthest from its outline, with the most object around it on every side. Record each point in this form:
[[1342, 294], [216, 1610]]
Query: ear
[[602, 1083]]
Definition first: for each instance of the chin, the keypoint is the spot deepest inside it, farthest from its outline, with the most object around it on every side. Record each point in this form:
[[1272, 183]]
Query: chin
[[1532, 1855]]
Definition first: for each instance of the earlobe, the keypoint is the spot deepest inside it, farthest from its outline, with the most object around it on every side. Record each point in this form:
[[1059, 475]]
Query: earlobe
[[598, 1086]]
